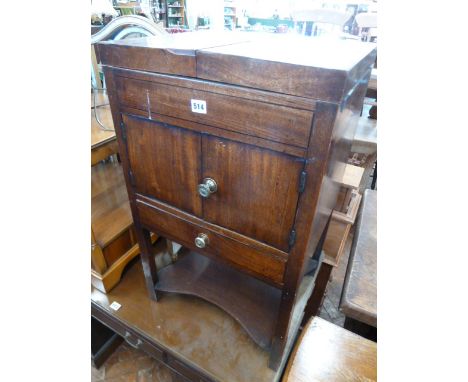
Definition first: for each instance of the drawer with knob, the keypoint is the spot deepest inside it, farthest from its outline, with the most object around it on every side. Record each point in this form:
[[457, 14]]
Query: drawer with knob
[[255, 258]]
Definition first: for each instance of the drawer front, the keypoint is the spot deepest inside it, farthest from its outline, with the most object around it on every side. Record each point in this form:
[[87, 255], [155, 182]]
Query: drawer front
[[245, 257], [242, 115]]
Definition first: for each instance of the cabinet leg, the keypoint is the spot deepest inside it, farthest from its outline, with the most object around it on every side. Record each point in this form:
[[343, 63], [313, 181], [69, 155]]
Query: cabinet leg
[[147, 260]]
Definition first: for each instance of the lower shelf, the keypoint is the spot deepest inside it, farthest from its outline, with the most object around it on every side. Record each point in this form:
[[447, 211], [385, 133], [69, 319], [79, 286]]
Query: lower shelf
[[252, 303]]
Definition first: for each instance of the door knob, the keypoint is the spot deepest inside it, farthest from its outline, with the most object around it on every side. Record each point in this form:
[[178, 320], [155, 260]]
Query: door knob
[[207, 188], [201, 241]]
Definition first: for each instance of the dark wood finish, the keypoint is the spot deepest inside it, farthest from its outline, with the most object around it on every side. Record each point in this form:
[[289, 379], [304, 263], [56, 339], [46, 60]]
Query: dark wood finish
[[164, 120], [361, 328], [239, 114], [165, 163], [318, 294], [327, 352], [251, 260], [245, 175], [254, 304], [280, 65], [273, 112], [359, 298]]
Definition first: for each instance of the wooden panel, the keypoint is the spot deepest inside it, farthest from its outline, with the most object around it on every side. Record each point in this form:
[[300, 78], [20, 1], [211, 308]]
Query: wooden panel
[[246, 258], [335, 241], [252, 303], [165, 162], [259, 119], [222, 133], [326, 352], [286, 68], [117, 247], [257, 190]]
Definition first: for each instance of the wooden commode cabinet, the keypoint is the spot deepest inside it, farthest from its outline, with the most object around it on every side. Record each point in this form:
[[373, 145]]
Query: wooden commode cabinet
[[233, 146]]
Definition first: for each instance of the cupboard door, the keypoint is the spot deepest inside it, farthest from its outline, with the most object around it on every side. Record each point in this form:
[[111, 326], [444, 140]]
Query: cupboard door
[[257, 189], [165, 161]]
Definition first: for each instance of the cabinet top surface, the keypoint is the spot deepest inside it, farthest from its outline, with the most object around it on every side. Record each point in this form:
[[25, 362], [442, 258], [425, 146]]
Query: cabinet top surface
[[322, 53], [319, 68]]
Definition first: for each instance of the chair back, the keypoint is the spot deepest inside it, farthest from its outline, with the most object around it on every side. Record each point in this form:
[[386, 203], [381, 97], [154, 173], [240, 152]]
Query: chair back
[[120, 28], [331, 17]]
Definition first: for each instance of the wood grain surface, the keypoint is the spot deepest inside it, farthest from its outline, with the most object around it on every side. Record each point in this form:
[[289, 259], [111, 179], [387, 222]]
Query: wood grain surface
[[258, 190], [326, 352]]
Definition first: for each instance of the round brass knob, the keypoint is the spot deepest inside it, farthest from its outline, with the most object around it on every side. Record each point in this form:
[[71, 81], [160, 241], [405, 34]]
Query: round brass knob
[[207, 188], [201, 241]]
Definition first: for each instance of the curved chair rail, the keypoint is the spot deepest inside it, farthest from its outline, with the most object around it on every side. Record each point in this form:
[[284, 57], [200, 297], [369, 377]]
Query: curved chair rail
[[133, 23]]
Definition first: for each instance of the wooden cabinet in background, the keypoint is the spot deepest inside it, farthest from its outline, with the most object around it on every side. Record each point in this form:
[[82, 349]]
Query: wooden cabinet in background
[[234, 149]]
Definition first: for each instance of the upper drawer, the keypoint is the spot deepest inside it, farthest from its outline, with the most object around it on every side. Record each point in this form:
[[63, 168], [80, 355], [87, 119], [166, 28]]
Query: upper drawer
[[242, 115]]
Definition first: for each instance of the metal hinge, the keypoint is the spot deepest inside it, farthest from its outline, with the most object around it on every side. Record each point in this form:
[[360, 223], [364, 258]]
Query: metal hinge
[[132, 178], [124, 131], [292, 238], [302, 181]]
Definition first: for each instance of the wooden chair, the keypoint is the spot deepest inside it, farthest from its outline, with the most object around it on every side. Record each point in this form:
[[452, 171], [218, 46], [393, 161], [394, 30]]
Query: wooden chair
[[322, 16], [327, 352], [118, 29]]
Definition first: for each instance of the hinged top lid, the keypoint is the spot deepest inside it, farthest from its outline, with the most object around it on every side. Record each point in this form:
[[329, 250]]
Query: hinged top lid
[[323, 69]]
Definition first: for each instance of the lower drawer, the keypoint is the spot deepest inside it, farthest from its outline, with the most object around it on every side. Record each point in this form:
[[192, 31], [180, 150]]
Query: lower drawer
[[246, 258]]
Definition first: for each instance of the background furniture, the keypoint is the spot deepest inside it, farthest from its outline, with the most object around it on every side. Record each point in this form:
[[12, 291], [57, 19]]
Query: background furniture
[[327, 352], [367, 24], [176, 13], [113, 242], [235, 145], [359, 298], [230, 17], [324, 16], [341, 221]]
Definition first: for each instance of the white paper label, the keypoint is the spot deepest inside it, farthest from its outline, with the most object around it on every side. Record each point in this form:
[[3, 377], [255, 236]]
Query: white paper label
[[198, 106], [115, 305]]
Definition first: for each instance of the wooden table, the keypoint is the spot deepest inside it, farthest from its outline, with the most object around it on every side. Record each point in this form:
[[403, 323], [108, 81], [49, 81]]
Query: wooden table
[[359, 298], [103, 143], [326, 352], [190, 336]]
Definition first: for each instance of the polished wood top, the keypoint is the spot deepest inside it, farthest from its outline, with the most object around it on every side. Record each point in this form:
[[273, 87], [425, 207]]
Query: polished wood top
[[99, 136], [198, 332], [327, 352], [316, 68], [359, 299]]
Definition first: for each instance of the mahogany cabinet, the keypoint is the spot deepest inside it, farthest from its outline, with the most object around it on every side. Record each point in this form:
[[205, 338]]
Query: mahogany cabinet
[[233, 146]]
